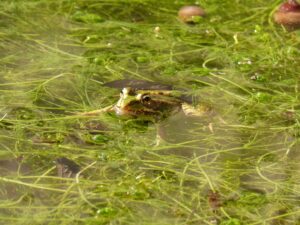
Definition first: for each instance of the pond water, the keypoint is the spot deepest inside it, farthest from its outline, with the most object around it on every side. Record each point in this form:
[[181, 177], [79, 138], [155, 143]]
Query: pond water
[[236, 165]]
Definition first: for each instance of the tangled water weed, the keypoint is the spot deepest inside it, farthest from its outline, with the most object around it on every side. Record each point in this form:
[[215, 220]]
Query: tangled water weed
[[237, 166]]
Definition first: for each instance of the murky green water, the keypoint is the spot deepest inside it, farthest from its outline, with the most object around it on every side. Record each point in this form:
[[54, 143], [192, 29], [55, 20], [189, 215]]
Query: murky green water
[[238, 165]]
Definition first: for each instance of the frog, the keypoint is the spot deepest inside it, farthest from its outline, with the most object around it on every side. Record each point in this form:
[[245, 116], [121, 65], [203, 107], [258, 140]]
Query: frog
[[155, 103], [147, 104], [151, 101]]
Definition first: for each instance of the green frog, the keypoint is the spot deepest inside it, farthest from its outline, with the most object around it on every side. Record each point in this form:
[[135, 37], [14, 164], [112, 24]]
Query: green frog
[[147, 104], [156, 103], [150, 104]]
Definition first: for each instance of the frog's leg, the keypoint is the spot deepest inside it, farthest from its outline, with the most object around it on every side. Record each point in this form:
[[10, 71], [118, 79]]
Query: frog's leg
[[98, 111], [158, 138], [198, 110], [160, 133]]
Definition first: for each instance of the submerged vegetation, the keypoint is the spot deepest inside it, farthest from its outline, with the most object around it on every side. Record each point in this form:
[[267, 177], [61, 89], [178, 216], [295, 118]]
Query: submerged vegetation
[[237, 166]]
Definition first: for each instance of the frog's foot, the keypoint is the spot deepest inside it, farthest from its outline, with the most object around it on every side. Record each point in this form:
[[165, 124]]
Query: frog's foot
[[97, 112]]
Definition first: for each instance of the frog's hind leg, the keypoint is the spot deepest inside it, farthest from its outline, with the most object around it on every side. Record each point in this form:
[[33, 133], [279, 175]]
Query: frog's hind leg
[[199, 110], [160, 133]]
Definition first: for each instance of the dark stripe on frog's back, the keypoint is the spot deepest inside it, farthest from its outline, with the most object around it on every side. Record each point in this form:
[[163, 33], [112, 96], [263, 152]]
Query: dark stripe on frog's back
[[167, 102], [176, 94], [190, 99]]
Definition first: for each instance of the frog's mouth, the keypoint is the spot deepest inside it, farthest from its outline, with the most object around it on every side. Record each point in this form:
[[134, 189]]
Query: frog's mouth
[[126, 111], [120, 111]]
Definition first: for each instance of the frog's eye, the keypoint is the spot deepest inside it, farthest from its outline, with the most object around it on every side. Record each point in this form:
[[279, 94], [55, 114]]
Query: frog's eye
[[146, 98]]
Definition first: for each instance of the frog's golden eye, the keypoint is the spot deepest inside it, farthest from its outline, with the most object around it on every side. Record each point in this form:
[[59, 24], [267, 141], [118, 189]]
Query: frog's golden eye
[[146, 98]]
